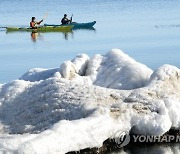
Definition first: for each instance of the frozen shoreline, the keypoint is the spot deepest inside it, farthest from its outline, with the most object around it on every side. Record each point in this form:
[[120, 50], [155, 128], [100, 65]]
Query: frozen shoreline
[[85, 102]]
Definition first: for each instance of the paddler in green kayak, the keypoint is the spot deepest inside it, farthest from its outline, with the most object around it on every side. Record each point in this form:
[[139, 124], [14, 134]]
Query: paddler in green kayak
[[65, 20], [34, 24]]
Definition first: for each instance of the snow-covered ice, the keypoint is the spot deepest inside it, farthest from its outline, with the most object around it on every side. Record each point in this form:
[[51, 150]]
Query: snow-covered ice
[[86, 101]]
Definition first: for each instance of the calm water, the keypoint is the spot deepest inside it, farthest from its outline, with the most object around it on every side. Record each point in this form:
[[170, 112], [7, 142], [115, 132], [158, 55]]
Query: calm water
[[125, 24]]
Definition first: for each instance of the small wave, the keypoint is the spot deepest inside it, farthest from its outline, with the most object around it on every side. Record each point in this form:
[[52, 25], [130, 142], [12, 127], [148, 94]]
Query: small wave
[[167, 26]]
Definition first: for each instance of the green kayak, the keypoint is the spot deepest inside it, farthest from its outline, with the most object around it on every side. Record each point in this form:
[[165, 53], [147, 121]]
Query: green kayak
[[42, 29]]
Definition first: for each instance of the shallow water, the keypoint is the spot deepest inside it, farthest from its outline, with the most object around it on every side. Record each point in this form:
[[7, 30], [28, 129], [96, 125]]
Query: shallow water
[[126, 24]]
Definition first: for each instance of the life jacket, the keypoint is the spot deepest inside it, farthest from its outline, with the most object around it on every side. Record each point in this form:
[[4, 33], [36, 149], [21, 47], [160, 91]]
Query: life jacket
[[33, 24], [64, 21]]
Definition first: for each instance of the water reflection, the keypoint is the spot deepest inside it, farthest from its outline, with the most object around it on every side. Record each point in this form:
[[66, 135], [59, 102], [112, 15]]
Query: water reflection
[[171, 148], [34, 36], [66, 35], [88, 29], [39, 36]]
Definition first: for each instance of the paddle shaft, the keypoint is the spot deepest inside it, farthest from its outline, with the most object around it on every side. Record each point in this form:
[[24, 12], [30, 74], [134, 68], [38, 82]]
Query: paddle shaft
[[71, 19], [45, 16]]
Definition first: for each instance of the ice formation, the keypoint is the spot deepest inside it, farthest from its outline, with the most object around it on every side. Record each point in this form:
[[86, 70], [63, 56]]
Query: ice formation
[[86, 101]]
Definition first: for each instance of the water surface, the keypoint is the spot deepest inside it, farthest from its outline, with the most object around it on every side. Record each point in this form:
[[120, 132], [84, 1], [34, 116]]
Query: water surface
[[129, 25]]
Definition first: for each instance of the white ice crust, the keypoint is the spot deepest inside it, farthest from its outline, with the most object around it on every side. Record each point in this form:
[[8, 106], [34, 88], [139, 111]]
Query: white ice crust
[[86, 101]]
